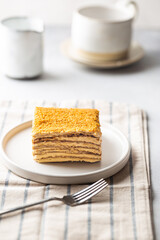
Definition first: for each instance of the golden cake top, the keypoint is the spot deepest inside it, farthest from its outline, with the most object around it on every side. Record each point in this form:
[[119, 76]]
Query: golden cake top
[[61, 120]]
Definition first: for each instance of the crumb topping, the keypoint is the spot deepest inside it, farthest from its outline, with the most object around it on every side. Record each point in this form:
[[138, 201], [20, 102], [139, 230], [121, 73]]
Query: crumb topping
[[61, 120]]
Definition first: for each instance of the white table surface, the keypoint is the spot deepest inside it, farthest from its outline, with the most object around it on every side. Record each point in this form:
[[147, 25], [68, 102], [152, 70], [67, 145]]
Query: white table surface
[[138, 84]]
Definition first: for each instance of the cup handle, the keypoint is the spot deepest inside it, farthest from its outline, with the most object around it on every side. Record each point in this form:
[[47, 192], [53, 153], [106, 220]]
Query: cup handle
[[134, 5]]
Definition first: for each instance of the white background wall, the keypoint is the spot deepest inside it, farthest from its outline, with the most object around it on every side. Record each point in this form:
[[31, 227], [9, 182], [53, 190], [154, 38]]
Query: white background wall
[[60, 11]]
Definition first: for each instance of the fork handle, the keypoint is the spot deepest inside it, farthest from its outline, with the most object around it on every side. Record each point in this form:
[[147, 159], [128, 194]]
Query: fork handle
[[30, 205]]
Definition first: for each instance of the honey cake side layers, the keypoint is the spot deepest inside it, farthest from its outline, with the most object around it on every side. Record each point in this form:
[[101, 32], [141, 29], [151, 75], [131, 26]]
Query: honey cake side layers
[[66, 135]]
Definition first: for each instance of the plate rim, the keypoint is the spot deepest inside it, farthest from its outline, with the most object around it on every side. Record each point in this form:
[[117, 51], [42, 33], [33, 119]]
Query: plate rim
[[66, 44], [27, 124]]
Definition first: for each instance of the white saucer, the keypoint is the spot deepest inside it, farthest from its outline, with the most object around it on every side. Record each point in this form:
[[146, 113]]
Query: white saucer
[[16, 151], [136, 53]]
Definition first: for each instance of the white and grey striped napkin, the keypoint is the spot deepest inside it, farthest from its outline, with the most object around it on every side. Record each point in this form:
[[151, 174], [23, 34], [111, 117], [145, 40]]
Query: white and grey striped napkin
[[121, 211]]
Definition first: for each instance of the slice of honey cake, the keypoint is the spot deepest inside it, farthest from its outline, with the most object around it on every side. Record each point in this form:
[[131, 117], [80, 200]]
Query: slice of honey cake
[[62, 134]]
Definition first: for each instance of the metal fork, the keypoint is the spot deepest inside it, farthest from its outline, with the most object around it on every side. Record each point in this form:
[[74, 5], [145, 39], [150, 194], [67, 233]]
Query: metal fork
[[71, 200]]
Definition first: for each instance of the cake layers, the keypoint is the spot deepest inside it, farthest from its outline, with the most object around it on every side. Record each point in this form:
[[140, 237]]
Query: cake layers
[[66, 148], [60, 135], [84, 139]]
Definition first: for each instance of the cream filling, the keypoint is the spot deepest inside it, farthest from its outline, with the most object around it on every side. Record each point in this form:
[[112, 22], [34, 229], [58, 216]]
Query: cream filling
[[68, 139], [59, 144], [69, 150], [69, 134], [67, 159], [53, 155]]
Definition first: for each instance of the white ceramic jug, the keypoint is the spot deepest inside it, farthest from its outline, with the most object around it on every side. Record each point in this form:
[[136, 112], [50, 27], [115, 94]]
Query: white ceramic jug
[[22, 47]]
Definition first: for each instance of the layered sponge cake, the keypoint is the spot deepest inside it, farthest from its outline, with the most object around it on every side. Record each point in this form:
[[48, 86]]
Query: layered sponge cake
[[63, 134]]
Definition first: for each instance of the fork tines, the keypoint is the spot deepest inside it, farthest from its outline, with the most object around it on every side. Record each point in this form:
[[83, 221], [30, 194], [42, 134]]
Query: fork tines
[[90, 191]]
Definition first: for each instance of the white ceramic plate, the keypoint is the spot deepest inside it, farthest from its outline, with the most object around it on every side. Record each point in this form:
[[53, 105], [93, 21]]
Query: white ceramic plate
[[16, 151], [136, 53]]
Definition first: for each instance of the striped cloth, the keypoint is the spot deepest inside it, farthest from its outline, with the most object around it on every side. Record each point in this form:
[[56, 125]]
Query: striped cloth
[[121, 211]]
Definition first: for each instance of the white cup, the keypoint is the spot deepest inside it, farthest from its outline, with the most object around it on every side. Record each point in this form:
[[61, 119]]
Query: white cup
[[103, 33], [22, 47]]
